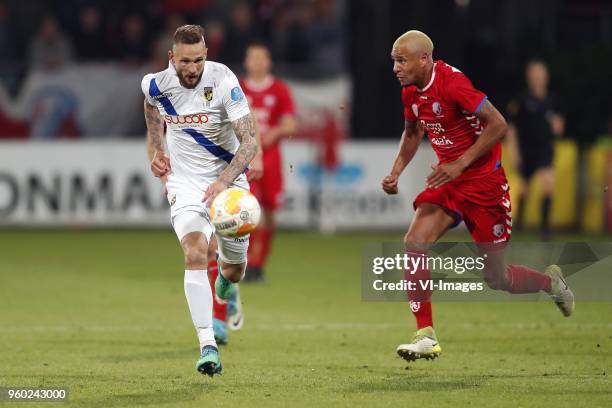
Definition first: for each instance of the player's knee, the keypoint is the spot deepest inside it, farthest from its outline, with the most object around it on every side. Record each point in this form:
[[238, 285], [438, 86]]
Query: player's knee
[[195, 256], [415, 241], [233, 272]]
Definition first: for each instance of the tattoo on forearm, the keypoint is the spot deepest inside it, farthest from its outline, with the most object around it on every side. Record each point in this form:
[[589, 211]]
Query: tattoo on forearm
[[155, 126], [245, 131]]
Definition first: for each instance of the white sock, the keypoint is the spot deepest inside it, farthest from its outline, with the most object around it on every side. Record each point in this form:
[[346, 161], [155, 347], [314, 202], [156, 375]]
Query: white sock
[[199, 298]]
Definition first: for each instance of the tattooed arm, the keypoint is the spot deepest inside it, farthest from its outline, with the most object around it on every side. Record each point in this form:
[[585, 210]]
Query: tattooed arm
[[160, 163], [246, 132]]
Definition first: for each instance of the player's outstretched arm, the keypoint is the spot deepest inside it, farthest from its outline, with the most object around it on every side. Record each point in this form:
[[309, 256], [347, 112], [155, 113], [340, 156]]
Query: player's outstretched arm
[[496, 127], [411, 138], [160, 163], [246, 132]]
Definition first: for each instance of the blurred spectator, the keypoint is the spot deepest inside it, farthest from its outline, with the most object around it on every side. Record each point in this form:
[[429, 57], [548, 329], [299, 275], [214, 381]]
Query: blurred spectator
[[535, 124], [326, 37], [133, 47], [214, 33], [240, 33], [50, 48], [7, 47], [184, 6], [89, 37]]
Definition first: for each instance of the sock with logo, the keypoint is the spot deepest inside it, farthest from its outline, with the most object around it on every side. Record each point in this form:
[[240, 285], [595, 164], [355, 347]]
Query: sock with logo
[[419, 298], [219, 309]]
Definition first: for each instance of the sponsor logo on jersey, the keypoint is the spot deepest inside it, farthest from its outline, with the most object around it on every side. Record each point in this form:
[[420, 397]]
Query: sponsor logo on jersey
[[437, 109], [243, 239], [208, 93], [269, 100], [441, 141], [237, 94], [434, 127], [162, 95], [195, 119]]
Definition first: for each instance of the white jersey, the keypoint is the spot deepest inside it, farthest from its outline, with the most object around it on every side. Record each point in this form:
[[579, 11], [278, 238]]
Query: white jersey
[[199, 136]]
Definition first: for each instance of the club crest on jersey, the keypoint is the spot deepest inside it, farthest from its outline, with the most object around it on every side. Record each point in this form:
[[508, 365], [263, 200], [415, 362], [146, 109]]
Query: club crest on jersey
[[208, 93], [498, 230], [437, 109], [415, 109]]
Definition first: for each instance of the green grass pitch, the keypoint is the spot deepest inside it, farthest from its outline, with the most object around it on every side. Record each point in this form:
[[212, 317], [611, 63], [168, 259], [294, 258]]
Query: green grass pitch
[[103, 313]]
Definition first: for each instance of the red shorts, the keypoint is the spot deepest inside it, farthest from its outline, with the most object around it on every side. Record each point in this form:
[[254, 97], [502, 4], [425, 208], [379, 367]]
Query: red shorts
[[269, 188], [482, 203]]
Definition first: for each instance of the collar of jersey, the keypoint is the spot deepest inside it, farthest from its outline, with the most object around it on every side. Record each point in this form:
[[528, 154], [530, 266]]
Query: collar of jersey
[[433, 76], [258, 87]]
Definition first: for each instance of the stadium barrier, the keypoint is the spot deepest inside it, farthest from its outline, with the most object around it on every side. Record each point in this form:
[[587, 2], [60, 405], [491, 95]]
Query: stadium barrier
[[108, 183]]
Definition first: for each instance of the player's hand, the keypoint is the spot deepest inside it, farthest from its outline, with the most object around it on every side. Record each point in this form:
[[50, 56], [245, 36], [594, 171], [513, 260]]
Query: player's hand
[[256, 168], [212, 191], [268, 138], [160, 165], [389, 184], [443, 173]]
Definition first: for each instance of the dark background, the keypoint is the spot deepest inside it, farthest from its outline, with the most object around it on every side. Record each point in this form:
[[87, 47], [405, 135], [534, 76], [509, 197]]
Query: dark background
[[490, 41]]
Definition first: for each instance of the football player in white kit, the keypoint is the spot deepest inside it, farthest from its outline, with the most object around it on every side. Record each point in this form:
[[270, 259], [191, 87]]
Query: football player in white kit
[[211, 139]]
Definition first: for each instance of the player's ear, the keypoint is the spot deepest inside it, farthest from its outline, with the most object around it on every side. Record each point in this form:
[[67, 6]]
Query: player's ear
[[170, 56]]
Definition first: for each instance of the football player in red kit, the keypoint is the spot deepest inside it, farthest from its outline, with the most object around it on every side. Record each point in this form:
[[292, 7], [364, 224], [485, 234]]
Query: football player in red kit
[[270, 99], [468, 183]]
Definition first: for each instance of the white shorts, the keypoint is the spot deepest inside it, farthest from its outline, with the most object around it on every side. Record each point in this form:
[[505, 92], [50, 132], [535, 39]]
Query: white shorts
[[189, 214]]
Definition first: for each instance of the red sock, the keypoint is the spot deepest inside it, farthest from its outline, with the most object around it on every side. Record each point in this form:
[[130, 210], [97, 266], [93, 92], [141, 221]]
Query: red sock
[[219, 309], [419, 298], [266, 235], [522, 279], [254, 251]]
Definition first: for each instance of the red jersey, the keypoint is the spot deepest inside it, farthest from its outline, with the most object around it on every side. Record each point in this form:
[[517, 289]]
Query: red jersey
[[270, 101], [447, 108]]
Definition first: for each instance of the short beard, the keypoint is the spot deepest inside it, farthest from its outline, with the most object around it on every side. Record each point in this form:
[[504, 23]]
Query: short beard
[[184, 85]]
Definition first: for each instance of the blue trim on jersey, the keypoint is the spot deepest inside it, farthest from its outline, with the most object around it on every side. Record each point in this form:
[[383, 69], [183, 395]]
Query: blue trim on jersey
[[479, 107], [210, 146], [156, 94]]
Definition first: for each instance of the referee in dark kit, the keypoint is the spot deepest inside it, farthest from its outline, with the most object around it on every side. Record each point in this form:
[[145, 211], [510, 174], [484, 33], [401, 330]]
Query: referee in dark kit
[[535, 123]]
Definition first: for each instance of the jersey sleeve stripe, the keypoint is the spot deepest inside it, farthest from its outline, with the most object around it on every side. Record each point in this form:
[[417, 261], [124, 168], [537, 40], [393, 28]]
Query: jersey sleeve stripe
[[481, 104], [156, 94], [209, 145]]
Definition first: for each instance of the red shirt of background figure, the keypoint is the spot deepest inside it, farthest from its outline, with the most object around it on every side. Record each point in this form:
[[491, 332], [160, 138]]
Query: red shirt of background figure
[[269, 101], [446, 108]]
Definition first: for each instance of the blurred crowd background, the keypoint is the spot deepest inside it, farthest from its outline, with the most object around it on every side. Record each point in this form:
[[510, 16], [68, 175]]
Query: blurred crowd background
[[318, 39], [71, 69]]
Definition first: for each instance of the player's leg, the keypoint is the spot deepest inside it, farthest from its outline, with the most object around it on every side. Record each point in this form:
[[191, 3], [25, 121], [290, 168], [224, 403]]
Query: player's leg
[[546, 176], [255, 241], [268, 191], [194, 231], [219, 308], [430, 222], [233, 261], [491, 229]]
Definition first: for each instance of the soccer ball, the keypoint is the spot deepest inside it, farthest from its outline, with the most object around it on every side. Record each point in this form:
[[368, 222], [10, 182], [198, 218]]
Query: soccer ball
[[235, 212]]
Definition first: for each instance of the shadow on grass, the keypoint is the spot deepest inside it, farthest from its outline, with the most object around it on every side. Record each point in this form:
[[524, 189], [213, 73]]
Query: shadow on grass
[[158, 396], [180, 353]]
